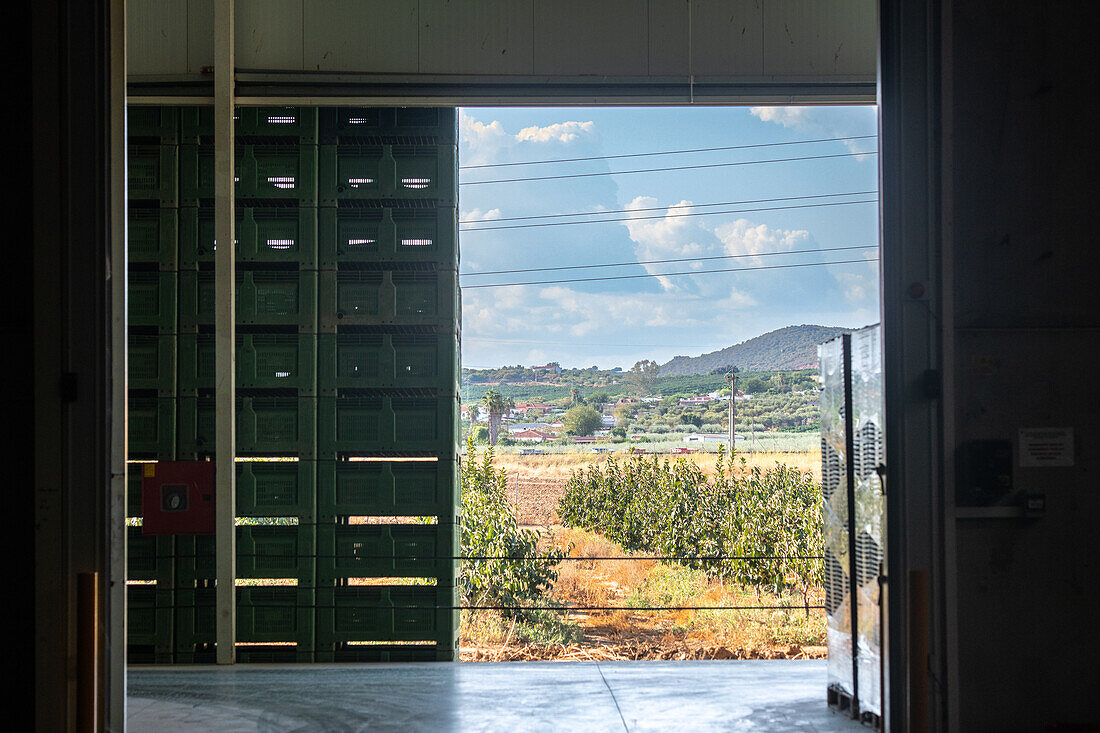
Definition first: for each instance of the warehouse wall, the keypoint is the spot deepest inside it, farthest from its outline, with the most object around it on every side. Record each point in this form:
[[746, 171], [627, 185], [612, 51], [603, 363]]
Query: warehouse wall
[[1021, 305], [799, 45]]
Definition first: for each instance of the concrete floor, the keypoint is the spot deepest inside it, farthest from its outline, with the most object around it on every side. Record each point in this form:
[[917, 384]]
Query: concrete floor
[[508, 696]]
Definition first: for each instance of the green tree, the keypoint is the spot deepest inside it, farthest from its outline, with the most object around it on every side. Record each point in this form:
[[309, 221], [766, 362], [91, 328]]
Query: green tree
[[643, 376], [581, 420], [507, 567], [597, 398], [497, 404]]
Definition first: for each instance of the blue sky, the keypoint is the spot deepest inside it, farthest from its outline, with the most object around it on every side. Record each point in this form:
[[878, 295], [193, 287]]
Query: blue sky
[[618, 322]]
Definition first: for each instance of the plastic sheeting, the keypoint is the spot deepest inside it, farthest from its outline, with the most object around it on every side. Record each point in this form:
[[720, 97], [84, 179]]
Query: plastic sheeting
[[852, 450], [870, 511], [834, 486]]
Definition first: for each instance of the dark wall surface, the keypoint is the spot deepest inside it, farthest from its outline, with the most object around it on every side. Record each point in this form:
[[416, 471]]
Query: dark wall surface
[[1022, 290]]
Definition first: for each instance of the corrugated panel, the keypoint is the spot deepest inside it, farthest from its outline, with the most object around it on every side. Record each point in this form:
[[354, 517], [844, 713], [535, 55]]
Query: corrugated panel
[[155, 43], [819, 37], [578, 37], [372, 36], [727, 38], [794, 40], [486, 37], [264, 38]]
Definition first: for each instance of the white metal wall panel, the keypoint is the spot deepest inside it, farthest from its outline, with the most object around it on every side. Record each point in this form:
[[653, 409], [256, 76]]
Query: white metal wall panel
[[464, 47], [486, 37], [668, 38], [264, 40], [154, 41], [580, 37], [199, 35], [377, 36], [728, 38], [819, 37]]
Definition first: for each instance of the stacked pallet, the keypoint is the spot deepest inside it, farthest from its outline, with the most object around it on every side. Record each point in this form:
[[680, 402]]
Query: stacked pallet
[[347, 369]]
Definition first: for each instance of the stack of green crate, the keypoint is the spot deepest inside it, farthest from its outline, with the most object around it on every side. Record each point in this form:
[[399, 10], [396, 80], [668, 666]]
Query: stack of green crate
[[387, 380], [152, 351], [276, 378]]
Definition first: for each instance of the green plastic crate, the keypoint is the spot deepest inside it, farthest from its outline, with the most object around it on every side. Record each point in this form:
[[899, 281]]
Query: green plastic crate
[[344, 124], [150, 612], [133, 490], [266, 426], [373, 425], [386, 613], [387, 551], [152, 299], [268, 234], [264, 615], [263, 297], [151, 363], [363, 172], [152, 237], [277, 489], [197, 123], [376, 234], [150, 558], [152, 427], [278, 552], [370, 297], [383, 488], [367, 360], [264, 361], [149, 122], [267, 172], [152, 173]]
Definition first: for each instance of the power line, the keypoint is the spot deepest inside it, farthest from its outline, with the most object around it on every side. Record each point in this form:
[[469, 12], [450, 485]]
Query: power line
[[668, 152], [670, 168], [671, 206], [671, 274], [662, 262], [488, 339], [670, 216]]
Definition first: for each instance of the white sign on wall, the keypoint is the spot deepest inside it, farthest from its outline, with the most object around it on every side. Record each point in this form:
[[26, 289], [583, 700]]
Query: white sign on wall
[[1046, 447]]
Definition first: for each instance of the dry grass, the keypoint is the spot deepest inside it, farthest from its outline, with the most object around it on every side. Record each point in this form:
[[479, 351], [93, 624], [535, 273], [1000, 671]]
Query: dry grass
[[644, 634]]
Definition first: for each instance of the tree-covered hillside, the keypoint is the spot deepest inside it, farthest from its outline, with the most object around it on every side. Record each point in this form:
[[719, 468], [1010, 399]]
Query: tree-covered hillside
[[793, 347]]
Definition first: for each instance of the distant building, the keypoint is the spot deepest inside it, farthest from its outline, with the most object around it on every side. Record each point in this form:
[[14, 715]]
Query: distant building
[[548, 369], [531, 436], [608, 420], [700, 400], [707, 438]]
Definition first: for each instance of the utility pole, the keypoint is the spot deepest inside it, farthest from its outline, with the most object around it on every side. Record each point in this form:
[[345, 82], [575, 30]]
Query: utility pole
[[731, 378]]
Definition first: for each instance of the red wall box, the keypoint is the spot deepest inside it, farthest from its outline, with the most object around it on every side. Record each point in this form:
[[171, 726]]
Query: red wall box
[[177, 497]]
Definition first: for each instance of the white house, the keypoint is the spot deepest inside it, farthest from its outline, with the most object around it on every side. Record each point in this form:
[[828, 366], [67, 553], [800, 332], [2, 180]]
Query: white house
[[709, 438]]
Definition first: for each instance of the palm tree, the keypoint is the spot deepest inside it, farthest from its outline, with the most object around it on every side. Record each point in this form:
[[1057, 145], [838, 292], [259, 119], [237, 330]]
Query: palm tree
[[497, 404]]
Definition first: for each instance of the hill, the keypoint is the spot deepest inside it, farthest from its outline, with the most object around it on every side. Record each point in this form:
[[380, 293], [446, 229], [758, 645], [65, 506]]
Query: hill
[[793, 347]]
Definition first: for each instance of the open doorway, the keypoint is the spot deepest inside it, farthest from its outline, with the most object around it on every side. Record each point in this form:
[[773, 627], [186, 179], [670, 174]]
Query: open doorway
[[625, 273]]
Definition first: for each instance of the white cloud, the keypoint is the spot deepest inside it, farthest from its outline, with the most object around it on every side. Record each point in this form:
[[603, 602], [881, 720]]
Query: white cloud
[[742, 237], [786, 116], [666, 234], [565, 132], [489, 142], [479, 215], [825, 122]]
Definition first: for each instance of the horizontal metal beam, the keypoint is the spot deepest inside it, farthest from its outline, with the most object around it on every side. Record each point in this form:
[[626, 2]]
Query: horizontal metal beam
[[321, 89]]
